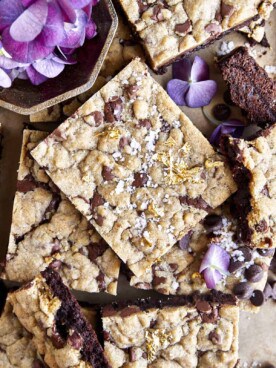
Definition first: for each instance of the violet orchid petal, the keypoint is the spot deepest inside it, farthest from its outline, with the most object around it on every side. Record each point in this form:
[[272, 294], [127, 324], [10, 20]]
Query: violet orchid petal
[[24, 52], [10, 10], [30, 23], [182, 69], [67, 11], [95, 2], [79, 4], [35, 77], [200, 70], [177, 89], [68, 61], [5, 80], [234, 123], [53, 32], [49, 68], [8, 63], [27, 3], [215, 257], [23, 75], [91, 29], [215, 136], [200, 93], [75, 33], [211, 277], [88, 10]]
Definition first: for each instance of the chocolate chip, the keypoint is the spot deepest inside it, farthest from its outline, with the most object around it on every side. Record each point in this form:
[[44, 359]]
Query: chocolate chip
[[38, 364], [132, 354], [173, 266], [142, 6], [268, 291], [235, 265], [113, 109], [210, 317], [124, 141], [24, 186], [56, 247], [107, 173], [157, 13], [140, 180], [101, 281], [218, 16], [215, 337], [182, 28], [184, 242], [128, 311], [221, 112], [227, 10], [243, 290], [96, 250], [257, 298], [158, 280], [266, 252], [213, 222], [153, 323], [265, 191], [75, 340], [262, 226], [56, 265], [106, 336], [197, 202], [98, 117], [96, 201], [203, 306], [254, 273], [213, 28], [99, 220], [268, 366], [246, 253], [165, 127], [131, 91], [53, 206], [146, 123]]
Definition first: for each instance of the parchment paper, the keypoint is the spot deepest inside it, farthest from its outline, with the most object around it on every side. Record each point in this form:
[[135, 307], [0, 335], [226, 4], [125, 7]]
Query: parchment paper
[[257, 332]]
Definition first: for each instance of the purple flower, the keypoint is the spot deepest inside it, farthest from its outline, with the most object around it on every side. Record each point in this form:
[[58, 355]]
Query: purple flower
[[190, 85], [32, 32], [233, 127], [214, 265]]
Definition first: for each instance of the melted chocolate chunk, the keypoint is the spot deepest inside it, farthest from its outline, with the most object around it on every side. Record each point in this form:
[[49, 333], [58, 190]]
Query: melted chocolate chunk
[[107, 173], [197, 202], [146, 123], [184, 242], [96, 250], [243, 290], [182, 28], [26, 185], [98, 117], [215, 337], [213, 222], [96, 201], [101, 281], [113, 109], [131, 91], [124, 141], [143, 6], [203, 306], [254, 273], [213, 29], [157, 13], [227, 10], [140, 180]]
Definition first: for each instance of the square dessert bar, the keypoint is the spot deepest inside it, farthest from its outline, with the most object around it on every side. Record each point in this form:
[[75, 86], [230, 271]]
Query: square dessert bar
[[250, 86], [254, 168], [179, 332], [169, 29], [50, 313], [136, 167], [47, 229], [177, 272]]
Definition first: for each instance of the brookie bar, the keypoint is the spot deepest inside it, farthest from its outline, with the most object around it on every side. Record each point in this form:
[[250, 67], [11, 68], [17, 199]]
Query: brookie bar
[[179, 332], [61, 333], [136, 167], [47, 229], [169, 29]]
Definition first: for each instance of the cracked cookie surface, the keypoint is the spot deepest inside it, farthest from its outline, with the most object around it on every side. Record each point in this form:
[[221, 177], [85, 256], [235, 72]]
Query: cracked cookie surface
[[47, 229], [136, 167]]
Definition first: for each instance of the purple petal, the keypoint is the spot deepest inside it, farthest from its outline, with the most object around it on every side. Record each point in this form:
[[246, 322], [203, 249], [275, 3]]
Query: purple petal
[[182, 69], [30, 23], [67, 11], [91, 29], [88, 10], [215, 136], [211, 277], [7, 63], [53, 32], [233, 123], [215, 257], [27, 3], [10, 10], [23, 75], [233, 127], [5, 80], [177, 89], [68, 61], [95, 2], [79, 4], [35, 77], [24, 52], [200, 70], [75, 33], [48, 68], [200, 93]]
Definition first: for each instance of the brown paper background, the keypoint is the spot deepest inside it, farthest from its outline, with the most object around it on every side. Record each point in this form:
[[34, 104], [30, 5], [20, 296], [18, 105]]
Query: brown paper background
[[257, 331]]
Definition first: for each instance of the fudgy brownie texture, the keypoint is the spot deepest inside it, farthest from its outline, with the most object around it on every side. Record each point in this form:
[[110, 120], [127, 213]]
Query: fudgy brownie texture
[[47, 229], [254, 169], [250, 86], [136, 167], [190, 331], [61, 333], [177, 272], [17, 348], [169, 29]]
